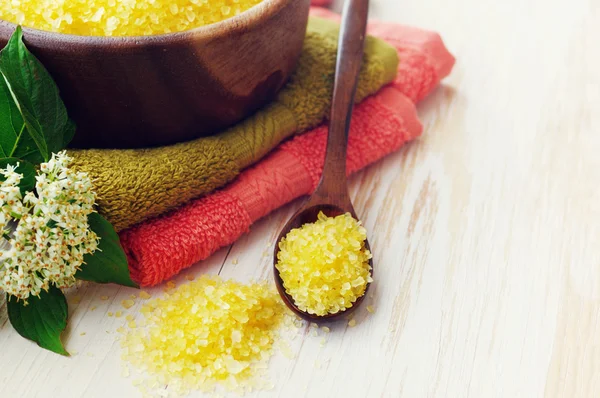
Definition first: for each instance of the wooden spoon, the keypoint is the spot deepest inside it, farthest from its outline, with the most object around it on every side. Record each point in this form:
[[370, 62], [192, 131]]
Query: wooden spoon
[[331, 196]]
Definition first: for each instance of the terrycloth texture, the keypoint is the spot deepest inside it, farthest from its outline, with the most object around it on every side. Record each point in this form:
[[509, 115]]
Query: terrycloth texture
[[137, 184], [161, 248], [321, 3]]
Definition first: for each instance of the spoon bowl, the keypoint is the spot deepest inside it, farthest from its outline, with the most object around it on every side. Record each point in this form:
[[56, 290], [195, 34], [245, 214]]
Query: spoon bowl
[[331, 196], [306, 215]]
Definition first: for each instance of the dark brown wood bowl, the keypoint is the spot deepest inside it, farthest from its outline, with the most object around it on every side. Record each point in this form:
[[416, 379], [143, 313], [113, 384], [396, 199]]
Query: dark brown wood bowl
[[128, 92]]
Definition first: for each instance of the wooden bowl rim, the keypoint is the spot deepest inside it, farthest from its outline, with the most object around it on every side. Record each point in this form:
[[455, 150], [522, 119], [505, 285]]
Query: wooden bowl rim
[[238, 23]]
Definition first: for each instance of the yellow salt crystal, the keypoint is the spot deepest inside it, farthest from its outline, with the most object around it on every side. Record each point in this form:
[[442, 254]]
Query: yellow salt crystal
[[234, 261], [127, 304], [370, 308], [119, 314], [103, 298], [352, 323], [325, 265], [110, 314], [132, 296], [76, 299], [132, 325], [323, 341], [189, 277], [82, 334], [145, 295], [171, 285], [129, 317], [93, 308], [120, 18], [286, 350], [326, 329]]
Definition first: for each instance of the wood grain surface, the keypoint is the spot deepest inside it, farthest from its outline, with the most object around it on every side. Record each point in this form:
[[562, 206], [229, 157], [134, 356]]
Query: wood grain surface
[[485, 232]]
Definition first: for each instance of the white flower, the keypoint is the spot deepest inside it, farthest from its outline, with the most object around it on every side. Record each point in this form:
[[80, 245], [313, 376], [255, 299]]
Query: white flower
[[45, 234]]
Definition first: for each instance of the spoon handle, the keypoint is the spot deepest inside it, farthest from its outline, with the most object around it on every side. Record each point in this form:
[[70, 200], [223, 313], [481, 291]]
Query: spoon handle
[[333, 185]]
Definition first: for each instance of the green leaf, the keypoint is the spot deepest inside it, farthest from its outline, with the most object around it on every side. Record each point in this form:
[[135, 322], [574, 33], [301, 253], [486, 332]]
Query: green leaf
[[37, 97], [42, 320], [25, 168], [109, 263], [15, 141]]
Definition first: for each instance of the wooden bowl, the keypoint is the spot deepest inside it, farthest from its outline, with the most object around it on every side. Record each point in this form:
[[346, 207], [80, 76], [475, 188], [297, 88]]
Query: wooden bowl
[[126, 92]]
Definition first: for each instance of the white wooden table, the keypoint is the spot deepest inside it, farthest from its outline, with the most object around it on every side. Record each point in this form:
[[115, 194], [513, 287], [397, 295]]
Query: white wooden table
[[486, 234]]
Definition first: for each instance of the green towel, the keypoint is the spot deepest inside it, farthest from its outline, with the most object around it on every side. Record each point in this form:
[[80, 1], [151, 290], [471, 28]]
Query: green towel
[[136, 184]]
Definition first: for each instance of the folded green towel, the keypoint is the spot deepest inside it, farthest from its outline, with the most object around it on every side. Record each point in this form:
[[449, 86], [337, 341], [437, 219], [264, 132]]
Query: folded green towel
[[136, 184]]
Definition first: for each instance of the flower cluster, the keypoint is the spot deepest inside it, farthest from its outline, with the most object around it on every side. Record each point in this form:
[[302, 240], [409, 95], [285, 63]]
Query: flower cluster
[[45, 233]]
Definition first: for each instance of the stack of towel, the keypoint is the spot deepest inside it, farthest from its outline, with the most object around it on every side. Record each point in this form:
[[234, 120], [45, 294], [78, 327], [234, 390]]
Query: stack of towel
[[163, 200]]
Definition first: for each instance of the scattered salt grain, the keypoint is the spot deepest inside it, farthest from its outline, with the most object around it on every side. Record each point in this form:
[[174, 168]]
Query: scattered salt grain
[[145, 295], [352, 323], [127, 304]]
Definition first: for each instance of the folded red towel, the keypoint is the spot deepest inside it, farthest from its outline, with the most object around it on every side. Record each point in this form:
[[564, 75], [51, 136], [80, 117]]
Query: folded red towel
[[161, 248]]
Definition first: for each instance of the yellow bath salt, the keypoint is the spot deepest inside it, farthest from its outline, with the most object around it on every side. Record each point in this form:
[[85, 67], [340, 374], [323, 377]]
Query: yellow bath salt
[[127, 304], [171, 285], [206, 333], [145, 295], [120, 17], [324, 265]]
